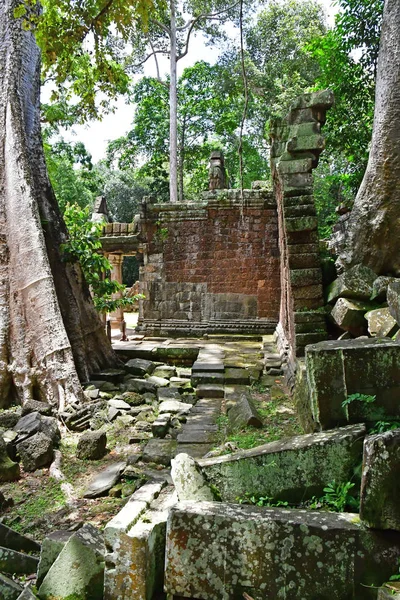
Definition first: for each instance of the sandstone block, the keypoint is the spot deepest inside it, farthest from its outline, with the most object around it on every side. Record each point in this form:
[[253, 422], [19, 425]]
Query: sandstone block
[[393, 300], [242, 411], [349, 316], [36, 451], [381, 323], [51, 548], [355, 283], [9, 470], [188, 480], [139, 367], [92, 445]]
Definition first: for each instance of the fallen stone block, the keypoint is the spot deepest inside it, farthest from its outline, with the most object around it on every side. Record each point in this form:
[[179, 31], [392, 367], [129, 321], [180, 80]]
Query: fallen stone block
[[174, 406], [27, 594], [16, 541], [36, 451], [393, 300], [9, 590], [161, 425], [381, 323], [355, 283], [292, 470], [380, 485], [235, 376], [91, 445], [12, 561], [349, 316], [168, 394], [242, 411], [9, 418], [141, 386], [9, 470], [135, 568], [165, 371], [188, 480], [380, 286], [217, 550], [338, 369], [105, 480], [139, 367], [51, 548], [78, 571]]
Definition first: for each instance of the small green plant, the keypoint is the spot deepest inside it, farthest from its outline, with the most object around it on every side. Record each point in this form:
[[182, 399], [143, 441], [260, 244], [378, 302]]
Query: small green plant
[[262, 501], [382, 426], [396, 577], [161, 232], [337, 498], [365, 398]]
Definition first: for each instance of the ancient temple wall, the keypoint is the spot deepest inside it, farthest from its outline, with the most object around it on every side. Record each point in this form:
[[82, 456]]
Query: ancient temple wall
[[213, 266]]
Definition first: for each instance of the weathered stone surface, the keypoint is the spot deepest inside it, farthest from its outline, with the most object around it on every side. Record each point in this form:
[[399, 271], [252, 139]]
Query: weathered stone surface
[[235, 376], [381, 323], [200, 378], [12, 561], [36, 451], [218, 551], [242, 412], [188, 480], [355, 283], [9, 470], [393, 300], [380, 485], [36, 406], [168, 394], [9, 418], [51, 548], [349, 316], [139, 366], [27, 594], [294, 469], [161, 425], [140, 385], [165, 371], [9, 590], [174, 406], [118, 404], [208, 367], [34, 422], [338, 369], [379, 289], [104, 480], [159, 382], [91, 445], [78, 571], [16, 541], [159, 451], [210, 390]]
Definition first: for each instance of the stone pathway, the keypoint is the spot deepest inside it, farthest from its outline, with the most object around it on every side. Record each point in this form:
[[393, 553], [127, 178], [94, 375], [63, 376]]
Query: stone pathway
[[220, 363]]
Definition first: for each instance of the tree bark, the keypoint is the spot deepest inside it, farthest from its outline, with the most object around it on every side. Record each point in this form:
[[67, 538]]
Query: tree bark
[[373, 234], [173, 129], [50, 333]]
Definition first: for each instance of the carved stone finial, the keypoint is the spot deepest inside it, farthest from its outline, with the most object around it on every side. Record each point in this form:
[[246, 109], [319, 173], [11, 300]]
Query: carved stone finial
[[216, 171]]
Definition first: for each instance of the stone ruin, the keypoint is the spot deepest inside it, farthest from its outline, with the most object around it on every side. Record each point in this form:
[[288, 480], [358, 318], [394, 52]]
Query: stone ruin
[[247, 265]]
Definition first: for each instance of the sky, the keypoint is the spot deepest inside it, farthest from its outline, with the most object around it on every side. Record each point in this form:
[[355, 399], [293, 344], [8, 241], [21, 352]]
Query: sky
[[97, 134]]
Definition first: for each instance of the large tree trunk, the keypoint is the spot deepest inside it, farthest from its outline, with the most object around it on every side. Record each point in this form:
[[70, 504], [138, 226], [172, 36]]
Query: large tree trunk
[[50, 333], [373, 233]]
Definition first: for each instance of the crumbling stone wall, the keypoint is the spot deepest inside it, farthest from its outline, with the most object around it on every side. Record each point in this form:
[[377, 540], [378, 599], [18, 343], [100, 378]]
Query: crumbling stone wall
[[296, 143], [211, 266]]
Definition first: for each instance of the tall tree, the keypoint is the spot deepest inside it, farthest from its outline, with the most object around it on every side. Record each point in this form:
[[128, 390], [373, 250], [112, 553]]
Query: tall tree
[[50, 333], [373, 234]]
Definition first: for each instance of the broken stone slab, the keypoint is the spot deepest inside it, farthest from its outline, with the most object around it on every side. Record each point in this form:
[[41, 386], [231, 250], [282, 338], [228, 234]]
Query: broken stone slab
[[174, 406], [338, 369], [380, 484], [242, 411], [51, 548], [78, 571], [235, 376], [165, 371], [393, 300], [139, 367], [9, 590], [9, 470], [188, 480], [27, 594], [91, 445], [159, 451], [380, 286], [118, 404], [140, 386], [349, 316], [216, 550], [355, 283], [291, 470], [210, 390], [158, 382], [191, 435], [161, 425], [130, 513], [135, 568], [104, 480], [12, 561], [168, 394], [36, 451], [36, 406], [16, 541], [381, 323]]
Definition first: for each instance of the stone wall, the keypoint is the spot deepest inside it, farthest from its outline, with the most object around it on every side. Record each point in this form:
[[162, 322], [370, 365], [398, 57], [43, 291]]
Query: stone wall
[[211, 266], [296, 143]]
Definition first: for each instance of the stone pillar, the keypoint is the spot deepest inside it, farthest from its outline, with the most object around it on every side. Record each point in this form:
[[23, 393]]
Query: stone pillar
[[116, 261]]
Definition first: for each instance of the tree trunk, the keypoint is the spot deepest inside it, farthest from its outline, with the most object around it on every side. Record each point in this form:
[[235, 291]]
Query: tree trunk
[[173, 133], [181, 160], [373, 233], [50, 333]]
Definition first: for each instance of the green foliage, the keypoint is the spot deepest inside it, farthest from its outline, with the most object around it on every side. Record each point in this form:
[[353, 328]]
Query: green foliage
[[382, 426], [337, 498], [262, 501], [365, 398], [83, 246]]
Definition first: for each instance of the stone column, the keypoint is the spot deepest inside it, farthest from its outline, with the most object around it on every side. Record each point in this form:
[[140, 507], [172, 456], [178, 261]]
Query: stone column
[[116, 261]]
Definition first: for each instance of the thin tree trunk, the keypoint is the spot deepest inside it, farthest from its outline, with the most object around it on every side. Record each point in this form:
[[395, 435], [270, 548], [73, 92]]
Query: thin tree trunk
[[173, 135], [181, 160], [373, 234], [50, 333]]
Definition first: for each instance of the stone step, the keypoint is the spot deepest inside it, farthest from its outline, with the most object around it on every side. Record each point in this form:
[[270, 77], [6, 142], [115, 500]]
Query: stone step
[[195, 436], [237, 376], [209, 390], [206, 377], [207, 367]]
